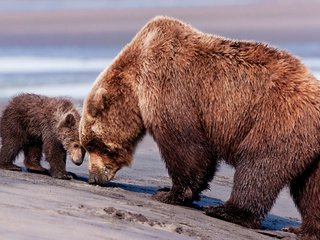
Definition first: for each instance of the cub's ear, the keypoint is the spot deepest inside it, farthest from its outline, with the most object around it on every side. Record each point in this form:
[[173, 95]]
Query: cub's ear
[[98, 102], [68, 121]]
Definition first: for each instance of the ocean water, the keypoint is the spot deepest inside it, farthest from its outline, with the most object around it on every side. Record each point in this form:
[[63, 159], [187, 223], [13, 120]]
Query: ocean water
[[70, 71], [51, 70]]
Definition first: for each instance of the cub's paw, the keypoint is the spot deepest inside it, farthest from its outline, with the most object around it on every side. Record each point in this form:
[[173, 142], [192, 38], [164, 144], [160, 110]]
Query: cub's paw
[[233, 214], [63, 175], [73, 175], [10, 166]]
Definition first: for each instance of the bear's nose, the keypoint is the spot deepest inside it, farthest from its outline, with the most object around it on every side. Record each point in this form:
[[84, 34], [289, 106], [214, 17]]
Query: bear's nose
[[91, 179], [77, 162], [96, 179]]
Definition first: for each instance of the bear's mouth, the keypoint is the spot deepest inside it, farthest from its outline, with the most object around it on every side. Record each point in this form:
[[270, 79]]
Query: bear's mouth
[[102, 177], [102, 168]]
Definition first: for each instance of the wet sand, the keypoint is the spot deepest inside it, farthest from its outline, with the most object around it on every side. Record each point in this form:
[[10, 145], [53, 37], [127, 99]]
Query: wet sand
[[35, 206], [40, 207]]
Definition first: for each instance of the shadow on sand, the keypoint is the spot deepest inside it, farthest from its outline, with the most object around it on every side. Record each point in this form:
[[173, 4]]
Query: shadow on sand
[[271, 222]]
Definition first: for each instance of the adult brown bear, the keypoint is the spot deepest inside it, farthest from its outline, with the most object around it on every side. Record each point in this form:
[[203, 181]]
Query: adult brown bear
[[204, 98]]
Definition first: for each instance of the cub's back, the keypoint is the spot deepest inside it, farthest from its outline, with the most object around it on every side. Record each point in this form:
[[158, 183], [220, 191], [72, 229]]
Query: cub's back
[[33, 113]]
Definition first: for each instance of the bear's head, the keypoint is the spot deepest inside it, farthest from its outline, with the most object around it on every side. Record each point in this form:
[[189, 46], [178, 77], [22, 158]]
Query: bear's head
[[110, 126], [68, 131]]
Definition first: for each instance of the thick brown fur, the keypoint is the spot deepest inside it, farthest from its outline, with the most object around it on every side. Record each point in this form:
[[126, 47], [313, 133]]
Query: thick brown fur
[[35, 124], [205, 98]]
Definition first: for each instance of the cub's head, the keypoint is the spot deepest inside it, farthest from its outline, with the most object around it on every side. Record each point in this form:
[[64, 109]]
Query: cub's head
[[68, 130], [110, 128]]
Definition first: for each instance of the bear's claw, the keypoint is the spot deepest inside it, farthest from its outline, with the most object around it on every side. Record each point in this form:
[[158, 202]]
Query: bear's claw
[[64, 175], [166, 195], [233, 214]]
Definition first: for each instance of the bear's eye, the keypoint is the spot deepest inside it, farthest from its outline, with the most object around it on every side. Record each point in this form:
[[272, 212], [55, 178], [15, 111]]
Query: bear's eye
[[109, 152], [89, 148], [76, 145]]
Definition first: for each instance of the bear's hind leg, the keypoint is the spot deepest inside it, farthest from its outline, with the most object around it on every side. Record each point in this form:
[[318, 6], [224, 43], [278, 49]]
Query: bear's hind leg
[[305, 191], [191, 168], [33, 154], [8, 153], [254, 192]]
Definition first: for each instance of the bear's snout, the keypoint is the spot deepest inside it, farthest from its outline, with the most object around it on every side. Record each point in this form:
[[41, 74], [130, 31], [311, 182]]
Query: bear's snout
[[101, 170], [99, 178], [77, 156], [94, 179]]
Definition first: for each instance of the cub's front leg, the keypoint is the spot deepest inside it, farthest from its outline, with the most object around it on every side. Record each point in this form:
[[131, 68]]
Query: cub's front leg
[[56, 156]]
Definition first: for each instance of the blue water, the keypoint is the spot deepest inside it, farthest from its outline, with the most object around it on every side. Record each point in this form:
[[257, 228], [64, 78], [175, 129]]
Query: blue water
[[51, 70]]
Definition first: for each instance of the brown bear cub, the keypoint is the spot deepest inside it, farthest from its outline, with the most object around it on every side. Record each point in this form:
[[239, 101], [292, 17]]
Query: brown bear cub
[[206, 98], [34, 123]]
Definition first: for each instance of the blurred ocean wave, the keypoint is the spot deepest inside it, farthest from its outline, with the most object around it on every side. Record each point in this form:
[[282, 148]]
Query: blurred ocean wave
[[12, 65], [75, 90]]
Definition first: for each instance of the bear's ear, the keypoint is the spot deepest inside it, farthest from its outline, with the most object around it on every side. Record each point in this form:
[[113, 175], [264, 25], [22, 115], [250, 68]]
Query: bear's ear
[[69, 121], [98, 102]]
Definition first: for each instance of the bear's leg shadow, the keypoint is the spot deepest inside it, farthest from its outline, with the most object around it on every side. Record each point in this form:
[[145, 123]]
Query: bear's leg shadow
[[56, 156], [191, 166], [305, 191], [256, 187], [32, 158], [8, 153]]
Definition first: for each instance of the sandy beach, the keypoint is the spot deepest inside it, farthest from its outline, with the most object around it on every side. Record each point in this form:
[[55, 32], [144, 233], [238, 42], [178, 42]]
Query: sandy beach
[[39, 207], [34, 205]]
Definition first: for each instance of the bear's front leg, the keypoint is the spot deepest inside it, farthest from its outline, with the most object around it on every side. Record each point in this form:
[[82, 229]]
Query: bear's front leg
[[56, 156], [190, 165]]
